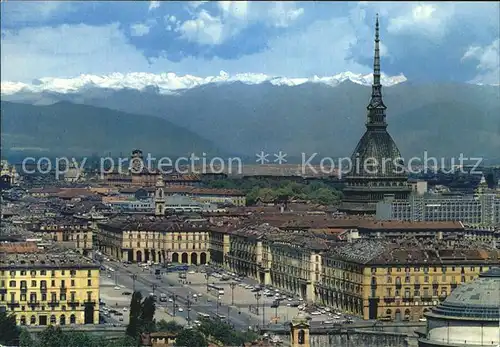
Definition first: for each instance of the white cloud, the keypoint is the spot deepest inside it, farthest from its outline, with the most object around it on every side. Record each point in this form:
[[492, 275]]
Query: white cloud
[[235, 16], [14, 12], [139, 29], [58, 52], [153, 5], [205, 29], [426, 19], [488, 58]]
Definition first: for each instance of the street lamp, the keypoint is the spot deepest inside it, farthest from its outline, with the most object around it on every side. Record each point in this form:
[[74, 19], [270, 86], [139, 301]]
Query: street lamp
[[134, 277], [188, 304], [207, 276], [154, 286], [173, 303], [232, 285], [257, 297], [218, 303]]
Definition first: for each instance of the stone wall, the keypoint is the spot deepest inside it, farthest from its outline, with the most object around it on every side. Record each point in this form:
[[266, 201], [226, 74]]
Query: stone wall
[[357, 338]]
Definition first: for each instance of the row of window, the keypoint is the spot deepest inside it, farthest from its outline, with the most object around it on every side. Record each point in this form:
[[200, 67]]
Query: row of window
[[426, 269], [43, 284], [53, 320], [34, 273], [43, 297]]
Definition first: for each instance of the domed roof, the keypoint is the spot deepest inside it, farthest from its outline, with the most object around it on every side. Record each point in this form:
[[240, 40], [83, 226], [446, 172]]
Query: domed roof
[[478, 299], [377, 155]]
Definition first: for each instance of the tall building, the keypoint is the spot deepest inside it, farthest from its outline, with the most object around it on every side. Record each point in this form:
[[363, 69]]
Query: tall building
[[481, 210], [377, 168]]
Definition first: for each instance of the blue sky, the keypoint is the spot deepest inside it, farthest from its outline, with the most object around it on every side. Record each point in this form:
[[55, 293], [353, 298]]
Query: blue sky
[[445, 41]]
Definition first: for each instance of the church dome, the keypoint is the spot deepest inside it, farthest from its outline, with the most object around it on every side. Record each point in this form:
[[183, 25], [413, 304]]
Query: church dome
[[478, 299], [377, 155]]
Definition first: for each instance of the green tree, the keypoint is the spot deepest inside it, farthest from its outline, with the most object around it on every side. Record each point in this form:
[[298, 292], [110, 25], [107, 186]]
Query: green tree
[[147, 314], [52, 337], [190, 338], [10, 331], [134, 325], [125, 341], [25, 339], [171, 326]]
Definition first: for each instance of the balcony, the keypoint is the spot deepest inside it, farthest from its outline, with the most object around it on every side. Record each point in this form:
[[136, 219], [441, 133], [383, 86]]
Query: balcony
[[34, 303], [53, 303], [13, 304], [409, 298], [389, 298], [24, 289], [73, 303]]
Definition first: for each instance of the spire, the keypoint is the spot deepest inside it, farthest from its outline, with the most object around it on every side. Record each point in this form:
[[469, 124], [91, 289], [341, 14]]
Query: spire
[[376, 107], [376, 59]]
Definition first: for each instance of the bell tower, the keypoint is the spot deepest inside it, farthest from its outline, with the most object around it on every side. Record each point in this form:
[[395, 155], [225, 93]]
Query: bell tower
[[159, 197], [299, 331]]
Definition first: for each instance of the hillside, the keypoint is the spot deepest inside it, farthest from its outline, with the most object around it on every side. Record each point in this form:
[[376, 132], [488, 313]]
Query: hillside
[[445, 119], [69, 129]]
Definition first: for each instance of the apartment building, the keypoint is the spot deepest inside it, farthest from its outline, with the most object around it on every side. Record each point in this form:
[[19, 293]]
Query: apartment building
[[52, 286], [472, 210], [156, 239], [69, 232]]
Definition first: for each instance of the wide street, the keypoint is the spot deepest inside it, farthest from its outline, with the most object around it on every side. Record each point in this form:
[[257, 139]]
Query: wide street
[[146, 282]]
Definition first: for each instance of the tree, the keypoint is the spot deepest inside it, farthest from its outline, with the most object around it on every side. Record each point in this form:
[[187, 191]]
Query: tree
[[25, 339], [9, 329], [125, 341], [133, 327], [190, 338], [147, 314], [171, 326], [52, 337]]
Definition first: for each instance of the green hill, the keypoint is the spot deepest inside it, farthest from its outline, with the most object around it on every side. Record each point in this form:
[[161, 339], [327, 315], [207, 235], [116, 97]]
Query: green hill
[[68, 129]]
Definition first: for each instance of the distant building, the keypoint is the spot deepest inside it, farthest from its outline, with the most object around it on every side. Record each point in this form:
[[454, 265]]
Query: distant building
[[418, 187], [472, 210]]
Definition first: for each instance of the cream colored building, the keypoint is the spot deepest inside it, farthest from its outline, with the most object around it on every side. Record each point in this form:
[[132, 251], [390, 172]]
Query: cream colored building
[[369, 278], [155, 239]]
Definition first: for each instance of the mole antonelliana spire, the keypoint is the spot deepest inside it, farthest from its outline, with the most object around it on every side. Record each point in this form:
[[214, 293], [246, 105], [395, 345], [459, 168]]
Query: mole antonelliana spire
[[377, 168]]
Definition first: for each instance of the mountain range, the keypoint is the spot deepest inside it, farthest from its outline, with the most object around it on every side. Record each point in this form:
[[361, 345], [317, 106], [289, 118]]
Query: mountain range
[[242, 117], [67, 129]]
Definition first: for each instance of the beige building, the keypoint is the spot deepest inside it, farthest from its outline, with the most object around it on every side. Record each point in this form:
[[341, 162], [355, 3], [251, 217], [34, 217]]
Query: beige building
[[155, 239], [386, 279], [71, 233], [377, 279]]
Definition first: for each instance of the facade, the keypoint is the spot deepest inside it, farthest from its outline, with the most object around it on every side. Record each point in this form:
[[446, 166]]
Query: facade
[[49, 286], [376, 279], [137, 174], [158, 240], [8, 173], [377, 167], [74, 234], [207, 195], [449, 232], [471, 210], [396, 279], [470, 316]]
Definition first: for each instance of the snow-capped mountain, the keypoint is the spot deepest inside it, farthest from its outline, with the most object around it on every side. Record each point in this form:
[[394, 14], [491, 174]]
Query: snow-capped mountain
[[167, 83]]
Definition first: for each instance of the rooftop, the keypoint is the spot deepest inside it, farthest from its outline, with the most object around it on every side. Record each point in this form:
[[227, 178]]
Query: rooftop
[[18, 256]]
